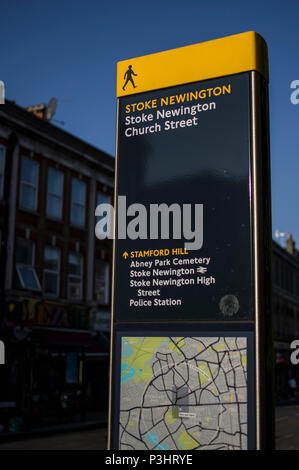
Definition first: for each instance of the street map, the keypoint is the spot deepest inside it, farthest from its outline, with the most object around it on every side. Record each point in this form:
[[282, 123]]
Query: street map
[[183, 393]]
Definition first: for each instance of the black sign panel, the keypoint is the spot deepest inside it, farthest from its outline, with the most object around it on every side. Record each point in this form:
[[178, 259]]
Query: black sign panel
[[187, 145]]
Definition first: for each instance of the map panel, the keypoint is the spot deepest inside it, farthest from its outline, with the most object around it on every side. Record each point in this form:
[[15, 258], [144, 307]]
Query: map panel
[[183, 393]]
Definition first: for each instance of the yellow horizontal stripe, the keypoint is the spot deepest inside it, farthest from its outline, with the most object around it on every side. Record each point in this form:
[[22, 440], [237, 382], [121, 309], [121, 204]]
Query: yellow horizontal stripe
[[226, 56]]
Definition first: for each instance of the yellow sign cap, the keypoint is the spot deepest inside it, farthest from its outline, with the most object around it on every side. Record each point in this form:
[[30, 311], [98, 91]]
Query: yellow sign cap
[[225, 56]]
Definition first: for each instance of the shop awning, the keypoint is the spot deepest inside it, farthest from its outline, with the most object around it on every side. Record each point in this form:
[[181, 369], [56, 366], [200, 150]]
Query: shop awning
[[64, 340]]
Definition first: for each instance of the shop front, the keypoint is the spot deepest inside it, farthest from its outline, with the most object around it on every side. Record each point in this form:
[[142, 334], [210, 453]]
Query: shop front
[[56, 374]]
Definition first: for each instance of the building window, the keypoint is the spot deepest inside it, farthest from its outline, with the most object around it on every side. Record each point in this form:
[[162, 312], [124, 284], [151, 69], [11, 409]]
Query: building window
[[2, 169], [78, 202], [75, 276], [51, 270], [25, 265], [29, 184], [102, 198], [55, 193], [102, 282], [282, 276], [277, 274]]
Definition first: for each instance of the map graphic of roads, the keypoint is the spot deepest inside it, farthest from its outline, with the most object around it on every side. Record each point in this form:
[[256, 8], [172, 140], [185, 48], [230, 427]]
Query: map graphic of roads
[[183, 393]]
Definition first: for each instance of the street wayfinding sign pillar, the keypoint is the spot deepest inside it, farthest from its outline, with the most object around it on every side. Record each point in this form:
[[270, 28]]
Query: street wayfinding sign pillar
[[191, 351]]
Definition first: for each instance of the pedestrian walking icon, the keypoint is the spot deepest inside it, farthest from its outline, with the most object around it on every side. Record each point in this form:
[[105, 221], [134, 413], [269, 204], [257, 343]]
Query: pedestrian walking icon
[[128, 77]]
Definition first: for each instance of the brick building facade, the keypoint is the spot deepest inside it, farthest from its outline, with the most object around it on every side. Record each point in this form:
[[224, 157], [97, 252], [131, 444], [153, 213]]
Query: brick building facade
[[286, 312], [55, 275]]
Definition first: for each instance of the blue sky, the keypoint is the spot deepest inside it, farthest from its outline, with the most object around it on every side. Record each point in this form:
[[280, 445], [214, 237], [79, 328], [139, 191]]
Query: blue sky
[[69, 49]]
